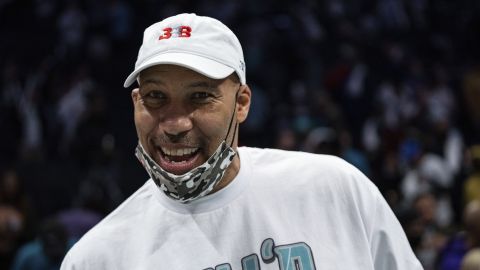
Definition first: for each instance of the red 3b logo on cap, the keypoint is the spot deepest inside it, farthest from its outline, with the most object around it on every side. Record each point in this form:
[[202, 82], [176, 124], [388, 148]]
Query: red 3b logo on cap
[[181, 31]]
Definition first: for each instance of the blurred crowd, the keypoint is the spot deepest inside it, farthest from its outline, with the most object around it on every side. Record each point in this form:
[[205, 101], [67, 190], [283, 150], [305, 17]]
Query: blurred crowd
[[391, 86]]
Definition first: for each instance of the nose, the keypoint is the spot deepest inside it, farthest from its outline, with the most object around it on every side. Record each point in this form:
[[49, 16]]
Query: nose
[[176, 122]]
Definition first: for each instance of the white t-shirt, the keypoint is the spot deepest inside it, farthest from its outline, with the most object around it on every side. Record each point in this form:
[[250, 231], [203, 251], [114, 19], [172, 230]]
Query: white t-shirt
[[284, 210]]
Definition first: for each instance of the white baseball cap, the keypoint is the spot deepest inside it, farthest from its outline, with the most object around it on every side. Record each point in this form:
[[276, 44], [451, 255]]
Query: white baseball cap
[[199, 43]]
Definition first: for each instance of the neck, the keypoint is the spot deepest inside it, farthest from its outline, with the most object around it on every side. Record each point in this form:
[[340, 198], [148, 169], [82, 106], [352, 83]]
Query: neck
[[229, 175]]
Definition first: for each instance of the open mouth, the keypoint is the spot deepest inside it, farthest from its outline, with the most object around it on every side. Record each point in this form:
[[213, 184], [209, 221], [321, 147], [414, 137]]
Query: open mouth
[[178, 160]]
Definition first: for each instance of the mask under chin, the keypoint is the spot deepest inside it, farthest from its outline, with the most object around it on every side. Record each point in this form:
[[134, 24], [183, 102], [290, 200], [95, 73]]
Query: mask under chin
[[191, 185]]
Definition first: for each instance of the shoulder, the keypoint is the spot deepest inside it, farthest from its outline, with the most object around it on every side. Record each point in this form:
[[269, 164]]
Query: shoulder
[[301, 177], [94, 250], [295, 159], [302, 166], [312, 180]]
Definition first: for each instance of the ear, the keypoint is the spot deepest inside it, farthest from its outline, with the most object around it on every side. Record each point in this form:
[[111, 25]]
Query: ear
[[135, 95], [243, 102]]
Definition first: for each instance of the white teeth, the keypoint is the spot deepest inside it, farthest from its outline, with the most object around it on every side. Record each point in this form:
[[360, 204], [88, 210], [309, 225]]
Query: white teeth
[[178, 152]]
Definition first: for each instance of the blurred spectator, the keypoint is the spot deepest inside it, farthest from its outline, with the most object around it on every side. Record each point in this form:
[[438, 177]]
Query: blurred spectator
[[11, 226], [12, 193], [472, 223], [433, 238], [471, 261], [471, 188], [324, 140], [10, 117], [471, 95], [71, 25], [428, 173], [91, 204], [456, 248], [398, 103], [15, 216], [413, 225], [351, 154], [388, 179], [72, 106], [47, 251], [29, 109], [440, 101], [393, 14], [286, 139], [120, 19]]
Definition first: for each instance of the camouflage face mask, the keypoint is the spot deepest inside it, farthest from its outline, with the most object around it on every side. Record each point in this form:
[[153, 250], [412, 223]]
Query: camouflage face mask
[[194, 184]]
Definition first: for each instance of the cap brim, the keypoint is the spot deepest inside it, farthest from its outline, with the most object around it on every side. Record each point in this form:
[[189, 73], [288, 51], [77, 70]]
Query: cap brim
[[202, 65]]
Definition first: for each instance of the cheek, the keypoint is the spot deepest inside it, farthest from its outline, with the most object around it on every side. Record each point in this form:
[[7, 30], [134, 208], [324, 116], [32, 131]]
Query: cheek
[[144, 123], [213, 126]]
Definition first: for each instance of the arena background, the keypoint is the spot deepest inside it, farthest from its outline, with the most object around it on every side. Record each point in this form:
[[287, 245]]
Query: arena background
[[392, 86]]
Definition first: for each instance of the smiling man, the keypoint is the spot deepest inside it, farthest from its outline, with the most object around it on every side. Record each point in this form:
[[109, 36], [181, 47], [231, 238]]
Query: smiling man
[[210, 204]]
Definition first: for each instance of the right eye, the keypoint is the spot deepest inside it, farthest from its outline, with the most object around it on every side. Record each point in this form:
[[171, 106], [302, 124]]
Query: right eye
[[155, 95], [154, 98]]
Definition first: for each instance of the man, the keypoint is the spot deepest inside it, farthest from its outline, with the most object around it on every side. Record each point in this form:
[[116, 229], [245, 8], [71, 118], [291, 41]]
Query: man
[[211, 205]]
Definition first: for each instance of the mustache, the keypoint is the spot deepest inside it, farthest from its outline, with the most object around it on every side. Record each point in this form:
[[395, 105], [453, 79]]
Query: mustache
[[183, 139]]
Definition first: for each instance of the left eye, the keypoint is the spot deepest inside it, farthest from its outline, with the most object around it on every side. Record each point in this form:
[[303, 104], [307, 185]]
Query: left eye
[[201, 95]]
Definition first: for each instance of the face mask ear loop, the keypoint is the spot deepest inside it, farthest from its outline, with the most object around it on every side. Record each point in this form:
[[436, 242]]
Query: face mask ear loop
[[231, 120], [234, 134]]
